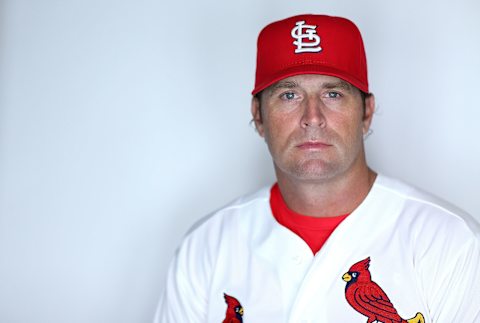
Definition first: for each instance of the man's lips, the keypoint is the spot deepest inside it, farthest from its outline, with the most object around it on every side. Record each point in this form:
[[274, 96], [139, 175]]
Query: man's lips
[[313, 145]]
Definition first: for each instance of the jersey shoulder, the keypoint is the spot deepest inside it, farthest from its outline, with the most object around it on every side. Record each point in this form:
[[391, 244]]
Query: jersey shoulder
[[240, 212], [421, 204]]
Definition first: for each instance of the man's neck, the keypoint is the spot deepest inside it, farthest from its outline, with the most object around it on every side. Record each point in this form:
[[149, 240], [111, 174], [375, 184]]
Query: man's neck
[[330, 197]]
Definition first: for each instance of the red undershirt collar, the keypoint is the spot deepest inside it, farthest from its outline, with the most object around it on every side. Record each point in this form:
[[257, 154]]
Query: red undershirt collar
[[313, 230]]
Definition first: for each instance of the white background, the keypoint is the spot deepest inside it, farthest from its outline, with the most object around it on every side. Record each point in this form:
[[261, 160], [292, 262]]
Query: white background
[[123, 122]]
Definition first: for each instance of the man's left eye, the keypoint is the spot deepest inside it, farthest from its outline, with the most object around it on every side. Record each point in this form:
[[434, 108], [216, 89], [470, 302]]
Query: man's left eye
[[288, 95], [333, 95]]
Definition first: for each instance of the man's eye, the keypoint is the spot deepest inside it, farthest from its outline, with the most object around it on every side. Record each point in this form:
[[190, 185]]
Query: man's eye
[[288, 96], [333, 95]]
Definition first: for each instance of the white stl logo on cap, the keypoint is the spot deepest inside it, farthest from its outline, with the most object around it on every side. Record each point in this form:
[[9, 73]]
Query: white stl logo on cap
[[301, 32]]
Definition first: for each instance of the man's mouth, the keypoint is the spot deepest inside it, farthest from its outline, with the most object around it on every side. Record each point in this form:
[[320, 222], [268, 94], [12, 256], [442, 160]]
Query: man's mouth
[[313, 145]]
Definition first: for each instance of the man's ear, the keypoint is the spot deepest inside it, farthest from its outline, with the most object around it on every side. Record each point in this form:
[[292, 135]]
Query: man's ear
[[257, 115], [369, 111]]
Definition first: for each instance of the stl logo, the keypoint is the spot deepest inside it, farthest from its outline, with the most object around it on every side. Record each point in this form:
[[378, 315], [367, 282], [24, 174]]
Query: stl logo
[[306, 38]]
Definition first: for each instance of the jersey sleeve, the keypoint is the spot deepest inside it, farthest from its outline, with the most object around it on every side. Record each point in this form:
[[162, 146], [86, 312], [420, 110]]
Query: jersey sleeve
[[451, 281], [185, 297], [459, 299]]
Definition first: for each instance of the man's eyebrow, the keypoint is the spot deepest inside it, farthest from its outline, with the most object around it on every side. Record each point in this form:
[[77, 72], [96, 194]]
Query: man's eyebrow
[[283, 85], [339, 84]]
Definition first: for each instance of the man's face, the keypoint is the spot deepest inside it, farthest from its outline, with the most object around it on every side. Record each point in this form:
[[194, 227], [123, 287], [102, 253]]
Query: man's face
[[314, 126]]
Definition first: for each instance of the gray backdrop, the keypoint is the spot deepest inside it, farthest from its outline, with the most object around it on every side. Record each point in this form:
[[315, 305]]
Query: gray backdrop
[[123, 122]]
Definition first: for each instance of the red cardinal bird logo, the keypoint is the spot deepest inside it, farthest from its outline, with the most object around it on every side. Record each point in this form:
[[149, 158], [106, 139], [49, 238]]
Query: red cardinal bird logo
[[369, 299], [234, 310]]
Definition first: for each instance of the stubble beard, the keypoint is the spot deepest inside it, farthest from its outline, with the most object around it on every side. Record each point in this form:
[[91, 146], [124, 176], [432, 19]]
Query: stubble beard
[[318, 166], [313, 169]]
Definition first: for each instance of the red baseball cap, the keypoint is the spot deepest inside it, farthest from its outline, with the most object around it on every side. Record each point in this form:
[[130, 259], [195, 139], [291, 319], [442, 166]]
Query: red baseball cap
[[311, 44]]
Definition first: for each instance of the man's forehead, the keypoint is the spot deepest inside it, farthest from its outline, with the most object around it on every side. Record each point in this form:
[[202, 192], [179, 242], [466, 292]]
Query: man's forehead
[[324, 81]]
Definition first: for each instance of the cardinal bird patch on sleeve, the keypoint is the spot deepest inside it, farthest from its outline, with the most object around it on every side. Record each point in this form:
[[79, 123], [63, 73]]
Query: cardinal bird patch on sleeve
[[369, 299], [234, 310]]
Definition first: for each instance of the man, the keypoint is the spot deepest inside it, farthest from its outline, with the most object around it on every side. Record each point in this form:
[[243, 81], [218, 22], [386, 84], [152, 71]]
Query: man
[[331, 241]]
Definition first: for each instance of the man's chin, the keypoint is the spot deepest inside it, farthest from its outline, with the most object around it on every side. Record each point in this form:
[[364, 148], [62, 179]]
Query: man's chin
[[313, 170]]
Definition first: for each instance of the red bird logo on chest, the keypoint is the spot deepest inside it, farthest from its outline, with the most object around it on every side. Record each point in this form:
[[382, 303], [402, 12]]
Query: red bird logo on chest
[[369, 299], [234, 310]]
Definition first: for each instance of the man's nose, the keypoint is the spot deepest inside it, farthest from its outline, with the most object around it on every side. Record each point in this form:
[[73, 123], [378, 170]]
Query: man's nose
[[313, 113]]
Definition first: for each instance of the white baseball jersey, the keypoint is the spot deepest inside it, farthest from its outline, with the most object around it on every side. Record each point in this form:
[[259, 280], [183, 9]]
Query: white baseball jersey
[[424, 255]]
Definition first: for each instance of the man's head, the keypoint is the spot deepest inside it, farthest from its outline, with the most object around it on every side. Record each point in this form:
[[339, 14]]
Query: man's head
[[311, 99]]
